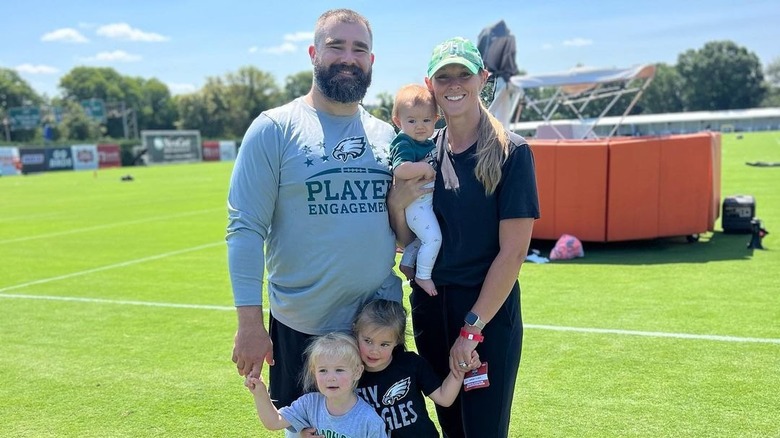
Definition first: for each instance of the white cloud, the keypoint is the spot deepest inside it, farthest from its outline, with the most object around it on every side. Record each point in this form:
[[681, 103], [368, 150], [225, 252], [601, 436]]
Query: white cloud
[[299, 36], [280, 49], [65, 35], [578, 42], [123, 31], [288, 46], [116, 55], [179, 88], [36, 69]]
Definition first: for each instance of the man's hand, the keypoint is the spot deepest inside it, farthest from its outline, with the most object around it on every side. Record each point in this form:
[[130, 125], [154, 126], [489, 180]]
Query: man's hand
[[252, 344]]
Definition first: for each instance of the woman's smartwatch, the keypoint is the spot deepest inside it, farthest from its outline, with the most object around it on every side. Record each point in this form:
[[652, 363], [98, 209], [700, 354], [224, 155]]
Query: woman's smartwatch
[[473, 320]]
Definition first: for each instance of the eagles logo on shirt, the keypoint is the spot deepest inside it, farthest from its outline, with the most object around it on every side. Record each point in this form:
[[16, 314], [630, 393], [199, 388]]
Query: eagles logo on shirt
[[396, 392], [351, 147]]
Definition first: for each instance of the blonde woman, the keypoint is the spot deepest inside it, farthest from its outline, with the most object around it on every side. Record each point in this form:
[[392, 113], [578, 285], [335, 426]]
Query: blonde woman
[[486, 203]]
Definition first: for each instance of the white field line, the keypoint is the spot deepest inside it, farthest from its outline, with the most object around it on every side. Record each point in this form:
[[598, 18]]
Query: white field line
[[107, 267], [20, 218], [117, 302], [653, 334], [689, 336], [111, 225]]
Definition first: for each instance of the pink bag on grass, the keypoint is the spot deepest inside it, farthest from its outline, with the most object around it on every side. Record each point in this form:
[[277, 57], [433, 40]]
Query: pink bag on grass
[[566, 248]]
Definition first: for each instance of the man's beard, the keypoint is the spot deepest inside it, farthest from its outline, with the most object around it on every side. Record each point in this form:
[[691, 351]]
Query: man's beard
[[344, 89]]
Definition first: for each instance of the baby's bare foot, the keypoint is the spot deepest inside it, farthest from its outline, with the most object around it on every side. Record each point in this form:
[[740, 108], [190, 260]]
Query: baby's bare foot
[[427, 286]]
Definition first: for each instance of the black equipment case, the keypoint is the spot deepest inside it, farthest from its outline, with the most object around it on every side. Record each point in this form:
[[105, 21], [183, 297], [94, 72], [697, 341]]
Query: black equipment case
[[738, 211]]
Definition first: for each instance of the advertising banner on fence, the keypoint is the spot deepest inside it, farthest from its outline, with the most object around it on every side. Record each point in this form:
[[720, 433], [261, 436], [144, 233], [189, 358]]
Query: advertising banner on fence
[[59, 159], [109, 155], [85, 156], [172, 146], [227, 150], [9, 161], [223, 150], [210, 151], [33, 160]]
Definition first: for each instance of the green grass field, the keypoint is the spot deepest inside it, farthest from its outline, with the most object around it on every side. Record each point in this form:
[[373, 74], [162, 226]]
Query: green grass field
[[116, 316]]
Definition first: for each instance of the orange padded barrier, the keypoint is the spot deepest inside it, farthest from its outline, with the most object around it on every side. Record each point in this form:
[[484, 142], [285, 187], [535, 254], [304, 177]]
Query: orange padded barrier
[[578, 192], [628, 188], [544, 158], [633, 198], [685, 185], [580, 186]]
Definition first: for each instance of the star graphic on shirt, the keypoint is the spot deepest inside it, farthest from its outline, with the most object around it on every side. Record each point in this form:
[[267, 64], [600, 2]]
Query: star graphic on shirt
[[309, 162], [307, 149], [324, 158]]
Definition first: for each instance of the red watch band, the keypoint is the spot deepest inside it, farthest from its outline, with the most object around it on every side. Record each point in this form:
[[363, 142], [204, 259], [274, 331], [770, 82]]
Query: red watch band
[[471, 336]]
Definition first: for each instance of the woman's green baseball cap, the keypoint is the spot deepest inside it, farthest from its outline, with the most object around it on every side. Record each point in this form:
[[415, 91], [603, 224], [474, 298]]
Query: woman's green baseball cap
[[455, 51]]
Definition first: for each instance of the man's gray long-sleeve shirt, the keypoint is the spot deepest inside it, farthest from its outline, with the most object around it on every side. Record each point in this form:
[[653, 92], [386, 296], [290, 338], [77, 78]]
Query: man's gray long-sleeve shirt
[[310, 187]]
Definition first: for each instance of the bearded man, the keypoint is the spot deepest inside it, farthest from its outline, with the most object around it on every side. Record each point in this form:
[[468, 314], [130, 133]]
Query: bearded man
[[307, 205]]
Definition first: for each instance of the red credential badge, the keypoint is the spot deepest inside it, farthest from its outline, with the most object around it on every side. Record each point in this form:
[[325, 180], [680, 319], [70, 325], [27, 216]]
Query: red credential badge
[[476, 379]]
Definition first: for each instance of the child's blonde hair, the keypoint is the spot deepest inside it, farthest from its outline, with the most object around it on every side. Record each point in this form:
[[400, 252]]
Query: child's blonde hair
[[414, 95], [382, 314], [333, 345]]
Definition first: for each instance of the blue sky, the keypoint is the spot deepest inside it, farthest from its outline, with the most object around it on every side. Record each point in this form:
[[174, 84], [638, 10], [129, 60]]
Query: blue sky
[[182, 43]]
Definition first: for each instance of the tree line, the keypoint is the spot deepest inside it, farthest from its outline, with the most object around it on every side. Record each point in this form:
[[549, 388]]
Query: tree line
[[719, 76]]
